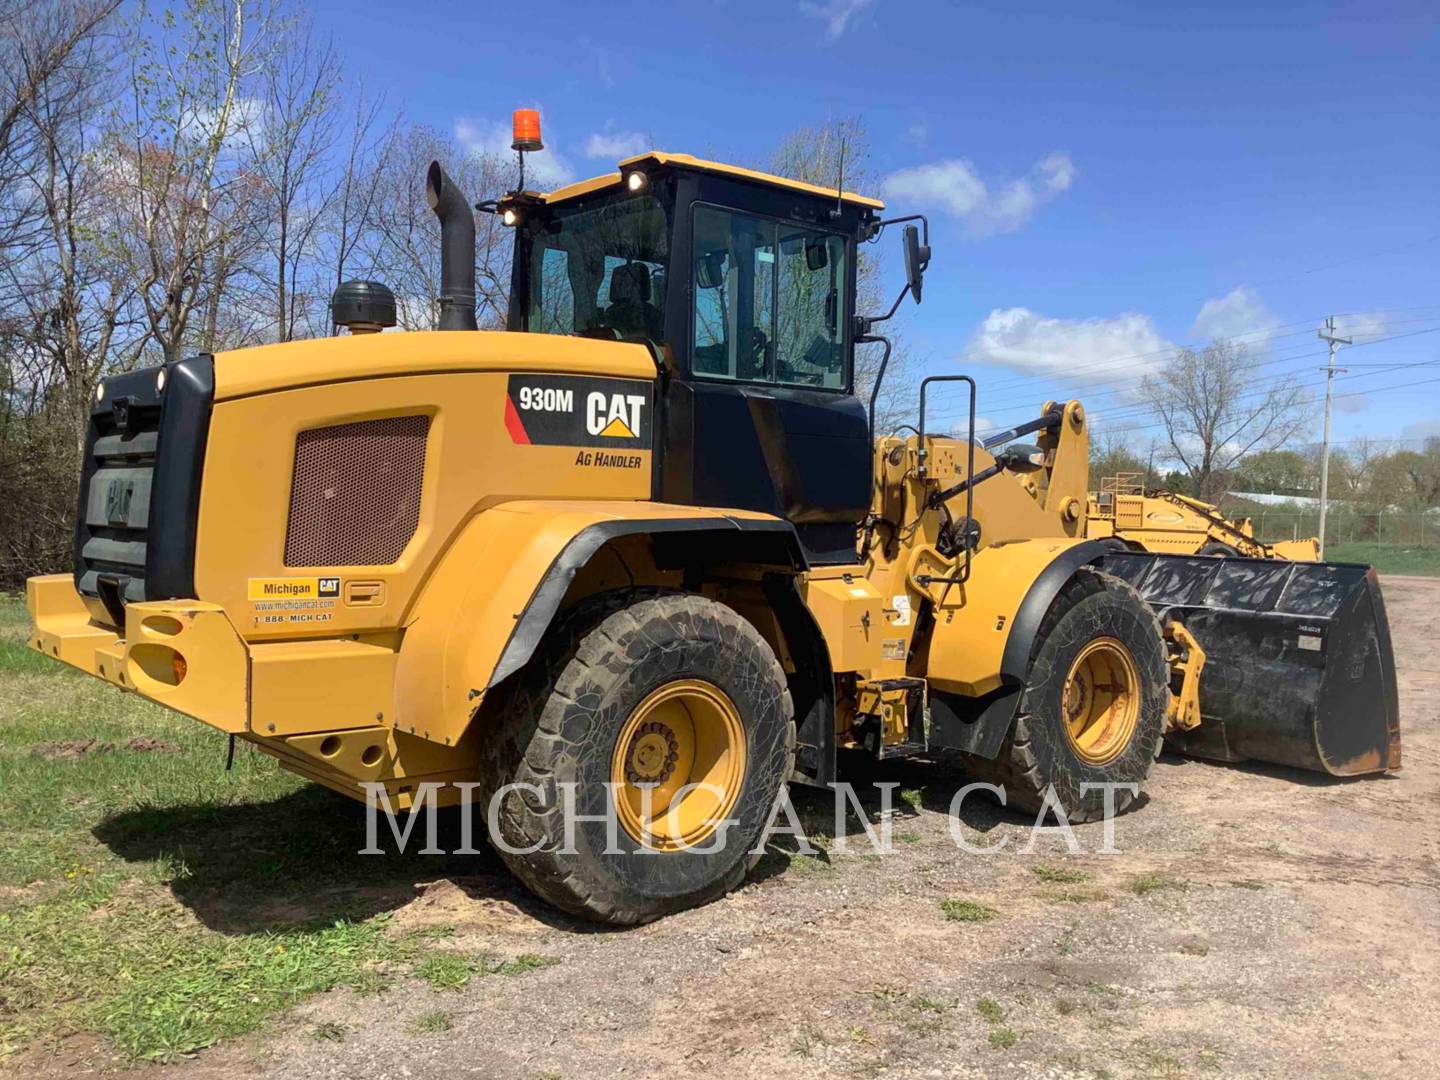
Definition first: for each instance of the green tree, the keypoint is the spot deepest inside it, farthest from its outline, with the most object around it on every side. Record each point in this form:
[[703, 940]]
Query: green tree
[[1283, 472]]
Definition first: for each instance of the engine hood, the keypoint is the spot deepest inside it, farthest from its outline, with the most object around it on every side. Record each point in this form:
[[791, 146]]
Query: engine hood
[[268, 368]]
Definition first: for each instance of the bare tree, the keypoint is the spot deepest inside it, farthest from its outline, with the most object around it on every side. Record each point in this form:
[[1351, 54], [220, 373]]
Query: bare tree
[[1214, 414], [354, 197], [827, 155], [184, 207], [37, 42], [404, 237], [64, 308], [289, 135]]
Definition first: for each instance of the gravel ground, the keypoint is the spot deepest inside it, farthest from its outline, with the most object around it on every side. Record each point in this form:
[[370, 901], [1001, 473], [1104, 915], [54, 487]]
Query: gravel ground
[[1257, 921]]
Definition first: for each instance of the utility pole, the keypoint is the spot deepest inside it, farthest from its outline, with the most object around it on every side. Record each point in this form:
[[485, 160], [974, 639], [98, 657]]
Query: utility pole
[[1328, 334]]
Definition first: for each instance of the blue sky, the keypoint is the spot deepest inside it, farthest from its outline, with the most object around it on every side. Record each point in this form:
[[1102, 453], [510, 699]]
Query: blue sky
[[1104, 180]]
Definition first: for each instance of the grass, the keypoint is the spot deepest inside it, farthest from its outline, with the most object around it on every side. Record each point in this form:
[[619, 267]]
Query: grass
[[433, 1022], [927, 1003], [1002, 1038], [1084, 895], [158, 901], [446, 971], [990, 1010], [1389, 558], [957, 909], [1059, 875], [1149, 883]]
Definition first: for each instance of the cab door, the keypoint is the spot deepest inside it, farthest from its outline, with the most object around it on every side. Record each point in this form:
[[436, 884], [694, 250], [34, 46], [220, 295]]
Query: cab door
[[764, 418]]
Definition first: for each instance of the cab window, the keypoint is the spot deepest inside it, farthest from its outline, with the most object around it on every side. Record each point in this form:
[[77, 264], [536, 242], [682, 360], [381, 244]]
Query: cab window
[[600, 272], [768, 301]]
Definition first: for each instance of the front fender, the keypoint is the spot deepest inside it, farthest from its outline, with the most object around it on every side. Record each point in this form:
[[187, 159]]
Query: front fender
[[495, 591], [985, 628]]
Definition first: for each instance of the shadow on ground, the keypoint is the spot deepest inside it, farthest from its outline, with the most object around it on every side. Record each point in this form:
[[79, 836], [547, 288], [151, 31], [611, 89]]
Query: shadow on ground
[[1304, 777], [295, 862]]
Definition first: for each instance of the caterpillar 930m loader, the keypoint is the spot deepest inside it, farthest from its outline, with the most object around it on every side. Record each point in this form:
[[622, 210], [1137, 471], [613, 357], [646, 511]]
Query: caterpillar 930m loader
[[645, 543], [1141, 519]]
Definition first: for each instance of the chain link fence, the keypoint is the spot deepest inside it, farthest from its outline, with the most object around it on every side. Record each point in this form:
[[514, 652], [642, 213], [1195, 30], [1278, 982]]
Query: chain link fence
[[1343, 525]]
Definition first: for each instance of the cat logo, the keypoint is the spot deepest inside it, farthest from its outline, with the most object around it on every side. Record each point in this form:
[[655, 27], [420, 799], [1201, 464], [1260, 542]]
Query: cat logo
[[613, 415], [117, 501], [578, 410]]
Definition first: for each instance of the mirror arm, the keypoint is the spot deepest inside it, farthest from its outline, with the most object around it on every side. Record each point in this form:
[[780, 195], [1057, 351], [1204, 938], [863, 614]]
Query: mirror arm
[[879, 226], [863, 323]]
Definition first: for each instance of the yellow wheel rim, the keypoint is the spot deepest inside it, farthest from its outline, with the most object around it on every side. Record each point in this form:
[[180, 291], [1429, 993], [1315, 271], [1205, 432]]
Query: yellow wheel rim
[[684, 746], [1102, 701]]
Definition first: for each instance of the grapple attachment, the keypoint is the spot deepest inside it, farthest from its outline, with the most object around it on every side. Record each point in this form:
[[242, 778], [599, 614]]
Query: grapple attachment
[[1299, 669]]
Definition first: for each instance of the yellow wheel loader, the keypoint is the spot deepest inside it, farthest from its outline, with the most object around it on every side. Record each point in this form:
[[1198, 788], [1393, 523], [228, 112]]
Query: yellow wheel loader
[[628, 568], [1139, 519]]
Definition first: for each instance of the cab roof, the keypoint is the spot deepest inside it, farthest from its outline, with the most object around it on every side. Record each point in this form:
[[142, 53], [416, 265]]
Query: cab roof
[[686, 161]]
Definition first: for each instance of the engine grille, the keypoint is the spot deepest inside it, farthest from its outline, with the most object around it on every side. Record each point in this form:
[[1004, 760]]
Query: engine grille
[[355, 496]]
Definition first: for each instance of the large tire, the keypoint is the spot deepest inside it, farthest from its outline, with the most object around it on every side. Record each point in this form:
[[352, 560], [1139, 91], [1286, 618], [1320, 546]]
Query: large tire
[[1099, 616], [1217, 550], [562, 719]]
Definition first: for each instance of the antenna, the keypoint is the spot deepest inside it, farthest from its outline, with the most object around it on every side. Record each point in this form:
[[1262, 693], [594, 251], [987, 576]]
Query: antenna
[[840, 183]]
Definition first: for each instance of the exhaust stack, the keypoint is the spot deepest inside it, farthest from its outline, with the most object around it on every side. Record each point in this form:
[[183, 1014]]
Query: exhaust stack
[[457, 250]]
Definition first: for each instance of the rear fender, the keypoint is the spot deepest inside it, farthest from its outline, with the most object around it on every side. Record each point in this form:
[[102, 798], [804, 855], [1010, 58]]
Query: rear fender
[[497, 589]]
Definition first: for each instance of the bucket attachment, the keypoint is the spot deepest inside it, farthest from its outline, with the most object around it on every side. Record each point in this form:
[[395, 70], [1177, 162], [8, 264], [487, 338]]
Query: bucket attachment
[[1298, 665]]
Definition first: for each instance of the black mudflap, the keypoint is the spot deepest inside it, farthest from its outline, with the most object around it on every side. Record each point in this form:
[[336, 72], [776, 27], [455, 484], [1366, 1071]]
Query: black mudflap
[[1299, 668]]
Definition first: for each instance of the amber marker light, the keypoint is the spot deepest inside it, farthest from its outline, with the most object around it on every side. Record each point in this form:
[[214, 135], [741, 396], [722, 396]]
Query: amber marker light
[[526, 129]]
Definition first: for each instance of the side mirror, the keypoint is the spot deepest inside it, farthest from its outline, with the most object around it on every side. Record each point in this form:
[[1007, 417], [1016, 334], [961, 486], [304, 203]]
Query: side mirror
[[917, 258]]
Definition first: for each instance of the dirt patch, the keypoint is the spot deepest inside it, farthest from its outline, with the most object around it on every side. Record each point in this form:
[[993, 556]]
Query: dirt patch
[[1257, 922], [148, 744], [69, 749], [451, 905]]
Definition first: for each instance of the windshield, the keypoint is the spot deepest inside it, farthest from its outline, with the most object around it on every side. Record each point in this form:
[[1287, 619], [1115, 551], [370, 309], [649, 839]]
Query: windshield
[[599, 270]]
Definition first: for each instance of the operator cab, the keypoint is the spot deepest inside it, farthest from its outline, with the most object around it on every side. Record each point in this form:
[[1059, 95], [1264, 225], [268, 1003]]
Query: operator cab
[[743, 286]]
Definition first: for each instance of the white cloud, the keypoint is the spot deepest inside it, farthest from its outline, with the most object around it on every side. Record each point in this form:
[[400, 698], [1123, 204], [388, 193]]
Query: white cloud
[[547, 168], [1423, 429], [1362, 327], [616, 146], [916, 135], [1117, 348], [1237, 314], [1352, 403], [836, 14], [956, 187], [247, 121]]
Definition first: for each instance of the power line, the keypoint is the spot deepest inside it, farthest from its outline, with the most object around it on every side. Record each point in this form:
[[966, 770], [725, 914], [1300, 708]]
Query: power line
[[1138, 408], [1355, 393], [1112, 386]]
